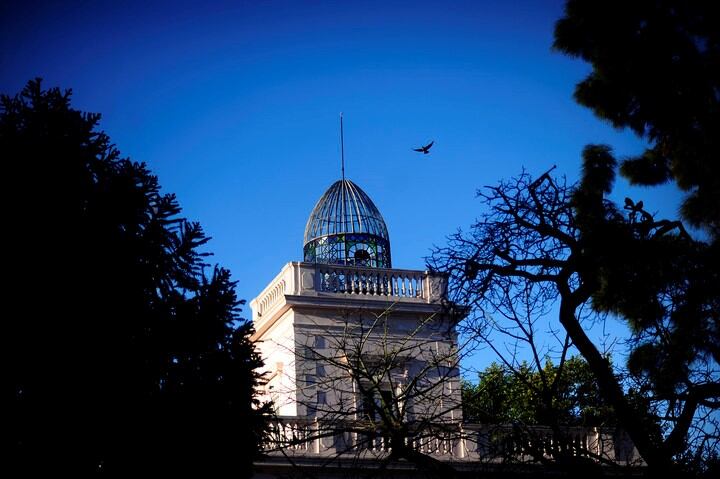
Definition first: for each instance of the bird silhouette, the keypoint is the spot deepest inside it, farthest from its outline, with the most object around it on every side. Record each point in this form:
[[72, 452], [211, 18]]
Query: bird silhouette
[[425, 149]]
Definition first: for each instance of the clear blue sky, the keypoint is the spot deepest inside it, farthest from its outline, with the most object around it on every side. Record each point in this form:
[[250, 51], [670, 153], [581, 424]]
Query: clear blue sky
[[234, 105]]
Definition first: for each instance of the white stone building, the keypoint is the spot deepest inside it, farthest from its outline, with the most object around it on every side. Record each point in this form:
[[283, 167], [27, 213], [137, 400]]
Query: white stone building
[[361, 359]]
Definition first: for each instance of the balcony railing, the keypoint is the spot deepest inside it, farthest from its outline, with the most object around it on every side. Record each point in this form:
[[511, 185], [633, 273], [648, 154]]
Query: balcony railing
[[371, 282], [468, 442], [400, 285]]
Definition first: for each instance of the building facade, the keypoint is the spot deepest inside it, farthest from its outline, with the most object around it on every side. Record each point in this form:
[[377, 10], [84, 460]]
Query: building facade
[[361, 362]]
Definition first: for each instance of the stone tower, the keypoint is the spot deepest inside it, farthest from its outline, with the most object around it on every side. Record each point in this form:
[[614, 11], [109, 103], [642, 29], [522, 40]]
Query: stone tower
[[361, 362], [346, 303]]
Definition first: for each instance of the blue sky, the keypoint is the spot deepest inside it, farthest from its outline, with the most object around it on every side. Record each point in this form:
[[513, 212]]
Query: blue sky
[[234, 105]]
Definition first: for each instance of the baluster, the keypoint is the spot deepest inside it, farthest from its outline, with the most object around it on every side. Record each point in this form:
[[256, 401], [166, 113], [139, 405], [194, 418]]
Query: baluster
[[575, 445], [546, 445], [411, 291]]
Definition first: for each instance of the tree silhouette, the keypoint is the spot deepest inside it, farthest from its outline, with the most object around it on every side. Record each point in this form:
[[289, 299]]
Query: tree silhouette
[[377, 390], [655, 71], [126, 354], [583, 252], [655, 67], [380, 387]]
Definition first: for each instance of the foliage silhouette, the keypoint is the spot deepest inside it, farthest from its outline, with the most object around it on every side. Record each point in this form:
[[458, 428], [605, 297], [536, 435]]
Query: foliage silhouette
[[655, 70], [570, 246], [125, 353]]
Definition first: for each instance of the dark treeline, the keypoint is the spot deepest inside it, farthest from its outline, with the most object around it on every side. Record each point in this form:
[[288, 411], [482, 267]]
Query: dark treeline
[[125, 349], [655, 70]]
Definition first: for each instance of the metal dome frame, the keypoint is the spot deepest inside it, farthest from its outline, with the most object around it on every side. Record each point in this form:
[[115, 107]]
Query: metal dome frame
[[345, 227]]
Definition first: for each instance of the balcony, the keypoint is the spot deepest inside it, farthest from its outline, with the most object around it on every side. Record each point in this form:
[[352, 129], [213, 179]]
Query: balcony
[[468, 443], [348, 282]]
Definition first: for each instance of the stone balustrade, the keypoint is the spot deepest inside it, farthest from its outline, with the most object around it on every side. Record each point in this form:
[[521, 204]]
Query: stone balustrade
[[393, 283], [303, 279], [464, 442]]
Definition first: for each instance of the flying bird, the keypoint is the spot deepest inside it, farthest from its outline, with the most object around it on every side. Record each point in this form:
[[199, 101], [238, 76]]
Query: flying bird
[[425, 149]]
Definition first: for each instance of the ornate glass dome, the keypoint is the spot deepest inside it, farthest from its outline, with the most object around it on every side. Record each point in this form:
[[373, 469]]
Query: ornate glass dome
[[345, 227]]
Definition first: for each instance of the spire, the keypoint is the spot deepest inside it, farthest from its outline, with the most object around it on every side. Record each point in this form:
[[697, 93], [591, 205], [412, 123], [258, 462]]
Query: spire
[[342, 146]]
